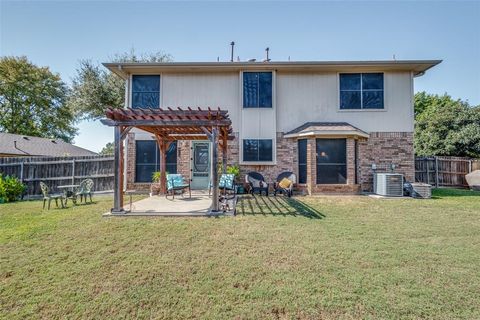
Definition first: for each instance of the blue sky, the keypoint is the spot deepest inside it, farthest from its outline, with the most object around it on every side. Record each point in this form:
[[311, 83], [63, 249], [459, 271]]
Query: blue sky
[[58, 34]]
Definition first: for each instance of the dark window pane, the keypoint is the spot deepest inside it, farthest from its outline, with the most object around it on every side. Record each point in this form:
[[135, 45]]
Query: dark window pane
[[331, 174], [350, 81], [145, 100], [302, 161], [265, 150], [143, 172], [172, 158], [250, 150], [350, 100], [265, 90], [331, 161], [331, 151], [145, 83], [146, 152], [372, 81], [145, 91], [373, 99], [250, 89]]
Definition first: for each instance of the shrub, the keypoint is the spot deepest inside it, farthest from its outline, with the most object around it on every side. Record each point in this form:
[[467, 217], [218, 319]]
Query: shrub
[[10, 189], [235, 170]]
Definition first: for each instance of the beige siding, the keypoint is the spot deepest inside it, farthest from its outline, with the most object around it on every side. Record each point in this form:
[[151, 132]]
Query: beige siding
[[315, 97], [202, 90]]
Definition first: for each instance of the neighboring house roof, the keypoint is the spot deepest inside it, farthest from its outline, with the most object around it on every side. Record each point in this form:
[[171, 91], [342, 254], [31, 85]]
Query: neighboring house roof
[[20, 145], [326, 129], [418, 67]]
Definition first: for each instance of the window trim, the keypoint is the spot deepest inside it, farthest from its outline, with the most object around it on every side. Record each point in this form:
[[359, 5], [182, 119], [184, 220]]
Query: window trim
[[243, 162], [130, 88], [273, 89], [384, 109]]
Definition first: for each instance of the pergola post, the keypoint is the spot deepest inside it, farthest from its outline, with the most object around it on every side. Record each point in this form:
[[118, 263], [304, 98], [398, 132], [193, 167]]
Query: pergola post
[[163, 146], [224, 154], [214, 139], [117, 188]]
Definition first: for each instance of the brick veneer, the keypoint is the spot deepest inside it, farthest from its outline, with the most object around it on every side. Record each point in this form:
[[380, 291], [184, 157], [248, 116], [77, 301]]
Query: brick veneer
[[382, 148]]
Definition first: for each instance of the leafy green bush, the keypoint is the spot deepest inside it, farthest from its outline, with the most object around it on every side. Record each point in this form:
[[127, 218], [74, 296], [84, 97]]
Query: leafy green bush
[[10, 189], [235, 170]]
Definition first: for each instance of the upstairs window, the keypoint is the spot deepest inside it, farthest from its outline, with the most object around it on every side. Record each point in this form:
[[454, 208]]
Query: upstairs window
[[257, 150], [361, 91], [257, 90], [145, 91]]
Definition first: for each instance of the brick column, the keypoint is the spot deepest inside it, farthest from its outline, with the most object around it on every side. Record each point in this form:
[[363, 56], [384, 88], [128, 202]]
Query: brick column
[[311, 165], [130, 163], [350, 161]]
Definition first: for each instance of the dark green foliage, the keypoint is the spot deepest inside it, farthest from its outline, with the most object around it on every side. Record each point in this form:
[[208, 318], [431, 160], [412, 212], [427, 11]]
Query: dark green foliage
[[446, 127], [32, 101], [94, 88], [108, 149], [10, 189]]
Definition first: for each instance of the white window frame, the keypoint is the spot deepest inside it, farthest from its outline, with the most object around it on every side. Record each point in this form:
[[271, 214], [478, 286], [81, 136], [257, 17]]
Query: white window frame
[[130, 85], [259, 110], [361, 93]]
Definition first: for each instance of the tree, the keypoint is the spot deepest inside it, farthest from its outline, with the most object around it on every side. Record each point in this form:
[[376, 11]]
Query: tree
[[94, 88], [33, 101], [446, 127], [108, 149]]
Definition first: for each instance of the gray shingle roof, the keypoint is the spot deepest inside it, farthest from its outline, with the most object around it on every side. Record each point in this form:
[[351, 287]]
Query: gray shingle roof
[[326, 127], [20, 145]]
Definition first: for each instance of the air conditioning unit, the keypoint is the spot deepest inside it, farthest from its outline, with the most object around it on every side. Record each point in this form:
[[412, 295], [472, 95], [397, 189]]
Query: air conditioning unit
[[388, 184]]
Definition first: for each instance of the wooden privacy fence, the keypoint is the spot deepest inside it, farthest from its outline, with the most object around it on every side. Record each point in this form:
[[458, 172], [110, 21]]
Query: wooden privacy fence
[[444, 171], [56, 171]]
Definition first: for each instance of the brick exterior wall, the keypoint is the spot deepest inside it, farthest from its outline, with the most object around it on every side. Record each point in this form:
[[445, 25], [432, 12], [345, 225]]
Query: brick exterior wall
[[382, 148]]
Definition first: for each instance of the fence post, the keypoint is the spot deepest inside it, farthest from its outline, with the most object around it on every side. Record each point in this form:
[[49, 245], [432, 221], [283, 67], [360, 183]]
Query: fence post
[[428, 171], [436, 172], [470, 165], [73, 171]]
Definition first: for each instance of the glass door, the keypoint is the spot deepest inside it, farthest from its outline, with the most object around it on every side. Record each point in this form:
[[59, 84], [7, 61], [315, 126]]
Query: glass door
[[200, 165]]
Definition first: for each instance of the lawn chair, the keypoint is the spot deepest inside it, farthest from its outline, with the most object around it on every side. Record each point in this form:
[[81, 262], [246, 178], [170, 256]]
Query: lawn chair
[[47, 196], [257, 183], [176, 182], [85, 189], [284, 183], [226, 183]]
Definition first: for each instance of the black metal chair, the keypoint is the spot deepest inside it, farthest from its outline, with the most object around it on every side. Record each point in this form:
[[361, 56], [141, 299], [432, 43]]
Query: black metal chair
[[257, 183], [288, 191]]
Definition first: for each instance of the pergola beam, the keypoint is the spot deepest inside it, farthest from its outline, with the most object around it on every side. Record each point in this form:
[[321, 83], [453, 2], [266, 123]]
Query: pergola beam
[[168, 126]]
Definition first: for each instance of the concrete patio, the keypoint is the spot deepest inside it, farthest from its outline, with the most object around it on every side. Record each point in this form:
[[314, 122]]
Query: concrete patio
[[196, 206]]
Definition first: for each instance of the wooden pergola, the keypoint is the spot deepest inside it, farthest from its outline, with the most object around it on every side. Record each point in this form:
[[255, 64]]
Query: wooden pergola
[[168, 125]]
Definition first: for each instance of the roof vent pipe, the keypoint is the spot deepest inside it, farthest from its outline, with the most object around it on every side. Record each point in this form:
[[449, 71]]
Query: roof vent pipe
[[267, 49], [233, 46]]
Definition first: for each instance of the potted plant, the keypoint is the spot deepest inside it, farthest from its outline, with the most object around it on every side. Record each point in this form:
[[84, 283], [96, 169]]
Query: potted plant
[[156, 185], [235, 170]]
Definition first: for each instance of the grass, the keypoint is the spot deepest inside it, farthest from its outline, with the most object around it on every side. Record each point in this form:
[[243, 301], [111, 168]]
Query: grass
[[307, 258]]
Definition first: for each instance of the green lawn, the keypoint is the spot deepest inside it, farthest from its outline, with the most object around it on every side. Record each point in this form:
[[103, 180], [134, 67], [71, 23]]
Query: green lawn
[[309, 258]]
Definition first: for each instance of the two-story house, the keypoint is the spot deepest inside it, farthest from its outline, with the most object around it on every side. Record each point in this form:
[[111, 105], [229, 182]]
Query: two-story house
[[331, 122]]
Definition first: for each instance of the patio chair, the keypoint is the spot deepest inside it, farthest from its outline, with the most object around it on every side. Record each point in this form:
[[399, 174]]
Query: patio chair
[[84, 190], [284, 183], [225, 183], [256, 183], [49, 197], [176, 182]]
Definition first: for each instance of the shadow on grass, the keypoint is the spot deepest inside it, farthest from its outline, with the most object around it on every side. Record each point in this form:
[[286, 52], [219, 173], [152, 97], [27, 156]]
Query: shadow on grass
[[275, 206]]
